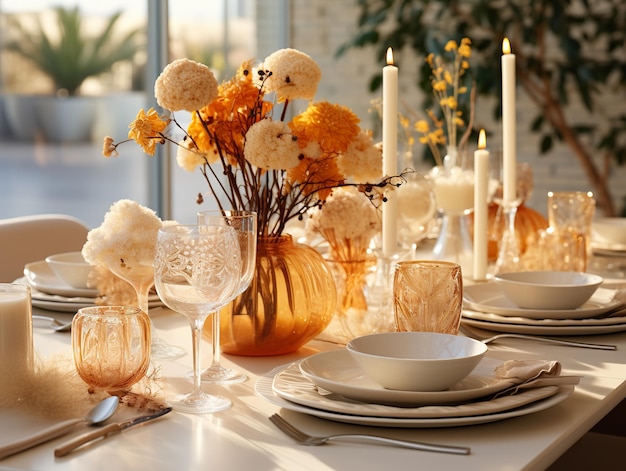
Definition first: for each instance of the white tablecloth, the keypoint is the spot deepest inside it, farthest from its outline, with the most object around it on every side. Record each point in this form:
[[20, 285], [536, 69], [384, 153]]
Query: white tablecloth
[[242, 438]]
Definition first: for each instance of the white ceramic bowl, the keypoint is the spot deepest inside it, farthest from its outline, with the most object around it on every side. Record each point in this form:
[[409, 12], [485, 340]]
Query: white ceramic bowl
[[609, 231], [416, 361], [70, 267], [559, 290]]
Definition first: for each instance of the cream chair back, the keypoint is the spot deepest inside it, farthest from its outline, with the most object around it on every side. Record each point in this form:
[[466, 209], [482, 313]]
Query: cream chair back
[[32, 238]]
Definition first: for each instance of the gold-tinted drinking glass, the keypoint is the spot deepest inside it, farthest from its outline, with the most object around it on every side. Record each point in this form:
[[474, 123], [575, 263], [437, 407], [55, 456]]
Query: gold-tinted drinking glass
[[552, 250], [428, 296], [111, 346], [572, 211]]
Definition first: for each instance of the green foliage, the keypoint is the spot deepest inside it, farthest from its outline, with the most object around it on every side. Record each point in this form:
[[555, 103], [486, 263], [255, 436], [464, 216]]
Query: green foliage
[[564, 49], [75, 56]]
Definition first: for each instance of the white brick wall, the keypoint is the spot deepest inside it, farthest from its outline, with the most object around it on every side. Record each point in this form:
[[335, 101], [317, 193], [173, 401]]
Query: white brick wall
[[319, 27]]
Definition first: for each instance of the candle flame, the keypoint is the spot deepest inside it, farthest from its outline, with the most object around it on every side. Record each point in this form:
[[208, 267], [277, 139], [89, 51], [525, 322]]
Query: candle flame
[[389, 56], [482, 140], [506, 46]]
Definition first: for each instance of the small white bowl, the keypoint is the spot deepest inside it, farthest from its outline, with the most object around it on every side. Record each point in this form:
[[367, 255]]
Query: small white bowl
[[558, 290], [416, 361], [609, 230], [70, 267]]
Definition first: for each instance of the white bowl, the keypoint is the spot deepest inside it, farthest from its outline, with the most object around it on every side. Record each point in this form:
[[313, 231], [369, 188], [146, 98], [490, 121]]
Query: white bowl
[[70, 267], [416, 361], [609, 230], [559, 290]]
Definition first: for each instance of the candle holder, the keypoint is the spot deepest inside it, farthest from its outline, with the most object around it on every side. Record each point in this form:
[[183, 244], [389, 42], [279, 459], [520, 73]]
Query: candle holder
[[454, 193], [509, 254], [510, 243]]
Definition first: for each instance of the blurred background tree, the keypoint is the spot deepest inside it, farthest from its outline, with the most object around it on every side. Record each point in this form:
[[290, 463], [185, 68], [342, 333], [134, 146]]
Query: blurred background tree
[[569, 52]]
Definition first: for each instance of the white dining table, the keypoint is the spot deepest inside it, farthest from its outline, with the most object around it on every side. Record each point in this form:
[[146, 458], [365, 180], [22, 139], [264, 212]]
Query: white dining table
[[242, 437]]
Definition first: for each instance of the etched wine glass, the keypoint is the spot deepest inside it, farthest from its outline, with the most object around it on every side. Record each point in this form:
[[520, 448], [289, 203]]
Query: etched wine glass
[[141, 278], [245, 224], [416, 210], [197, 271]]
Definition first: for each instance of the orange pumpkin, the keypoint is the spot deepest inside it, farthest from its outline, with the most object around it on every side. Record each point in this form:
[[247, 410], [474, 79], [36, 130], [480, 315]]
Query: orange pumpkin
[[527, 223]]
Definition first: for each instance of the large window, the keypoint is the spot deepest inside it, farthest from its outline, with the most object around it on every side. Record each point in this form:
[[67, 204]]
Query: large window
[[51, 138]]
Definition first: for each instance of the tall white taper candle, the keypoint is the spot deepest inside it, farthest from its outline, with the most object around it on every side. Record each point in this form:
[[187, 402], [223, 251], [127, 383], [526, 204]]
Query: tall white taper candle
[[509, 178], [390, 153], [481, 215]]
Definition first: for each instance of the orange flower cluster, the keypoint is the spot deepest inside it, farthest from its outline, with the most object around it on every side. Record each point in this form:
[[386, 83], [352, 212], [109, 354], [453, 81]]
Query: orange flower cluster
[[253, 160], [221, 126]]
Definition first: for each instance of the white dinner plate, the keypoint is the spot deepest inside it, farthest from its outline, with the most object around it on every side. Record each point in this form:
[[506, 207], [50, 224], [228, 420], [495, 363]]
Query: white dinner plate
[[60, 307], [39, 275], [60, 303], [608, 248], [337, 372], [488, 297], [75, 306], [618, 318], [57, 298], [263, 388], [290, 384], [511, 328]]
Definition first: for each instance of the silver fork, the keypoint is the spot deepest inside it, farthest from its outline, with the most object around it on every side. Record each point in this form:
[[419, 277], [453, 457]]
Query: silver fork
[[480, 335], [301, 437]]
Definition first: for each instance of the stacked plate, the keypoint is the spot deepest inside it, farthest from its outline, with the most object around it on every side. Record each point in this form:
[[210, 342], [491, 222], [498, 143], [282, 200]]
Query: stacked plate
[[486, 307], [608, 236], [51, 293], [331, 385]]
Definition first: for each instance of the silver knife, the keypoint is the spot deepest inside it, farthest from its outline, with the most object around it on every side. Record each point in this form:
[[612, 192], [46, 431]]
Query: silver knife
[[106, 431]]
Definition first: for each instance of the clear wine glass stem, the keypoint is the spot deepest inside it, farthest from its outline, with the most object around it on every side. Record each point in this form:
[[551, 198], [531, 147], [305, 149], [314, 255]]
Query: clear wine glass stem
[[216, 373], [215, 362], [196, 333], [142, 286], [142, 290]]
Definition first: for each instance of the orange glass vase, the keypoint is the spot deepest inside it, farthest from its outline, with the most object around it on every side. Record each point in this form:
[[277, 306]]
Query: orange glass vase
[[291, 300]]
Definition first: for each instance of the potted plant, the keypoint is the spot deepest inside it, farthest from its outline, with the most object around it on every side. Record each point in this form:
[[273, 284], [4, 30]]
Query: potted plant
[[68, 59]]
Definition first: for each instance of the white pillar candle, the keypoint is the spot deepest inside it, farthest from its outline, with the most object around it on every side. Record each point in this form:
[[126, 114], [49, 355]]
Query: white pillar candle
[[390, 153], [481, 211], [16, 328], [509, 178]]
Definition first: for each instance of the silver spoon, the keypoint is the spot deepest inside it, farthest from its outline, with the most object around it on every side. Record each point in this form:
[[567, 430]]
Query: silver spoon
[[55, 324], [101, 412]]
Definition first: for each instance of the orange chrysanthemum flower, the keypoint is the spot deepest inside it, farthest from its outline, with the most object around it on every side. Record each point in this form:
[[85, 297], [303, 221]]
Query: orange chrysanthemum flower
[[147, 128], [316, 176], [333, 126], [238, 106]]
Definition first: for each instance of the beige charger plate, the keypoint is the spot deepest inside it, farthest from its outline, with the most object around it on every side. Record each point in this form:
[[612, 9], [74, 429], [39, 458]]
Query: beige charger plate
[[263, 388], [291, 385]]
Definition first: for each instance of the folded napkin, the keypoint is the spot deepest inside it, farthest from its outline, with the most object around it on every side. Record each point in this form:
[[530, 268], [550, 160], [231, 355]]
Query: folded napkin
[[620, 295], [532, 374]]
